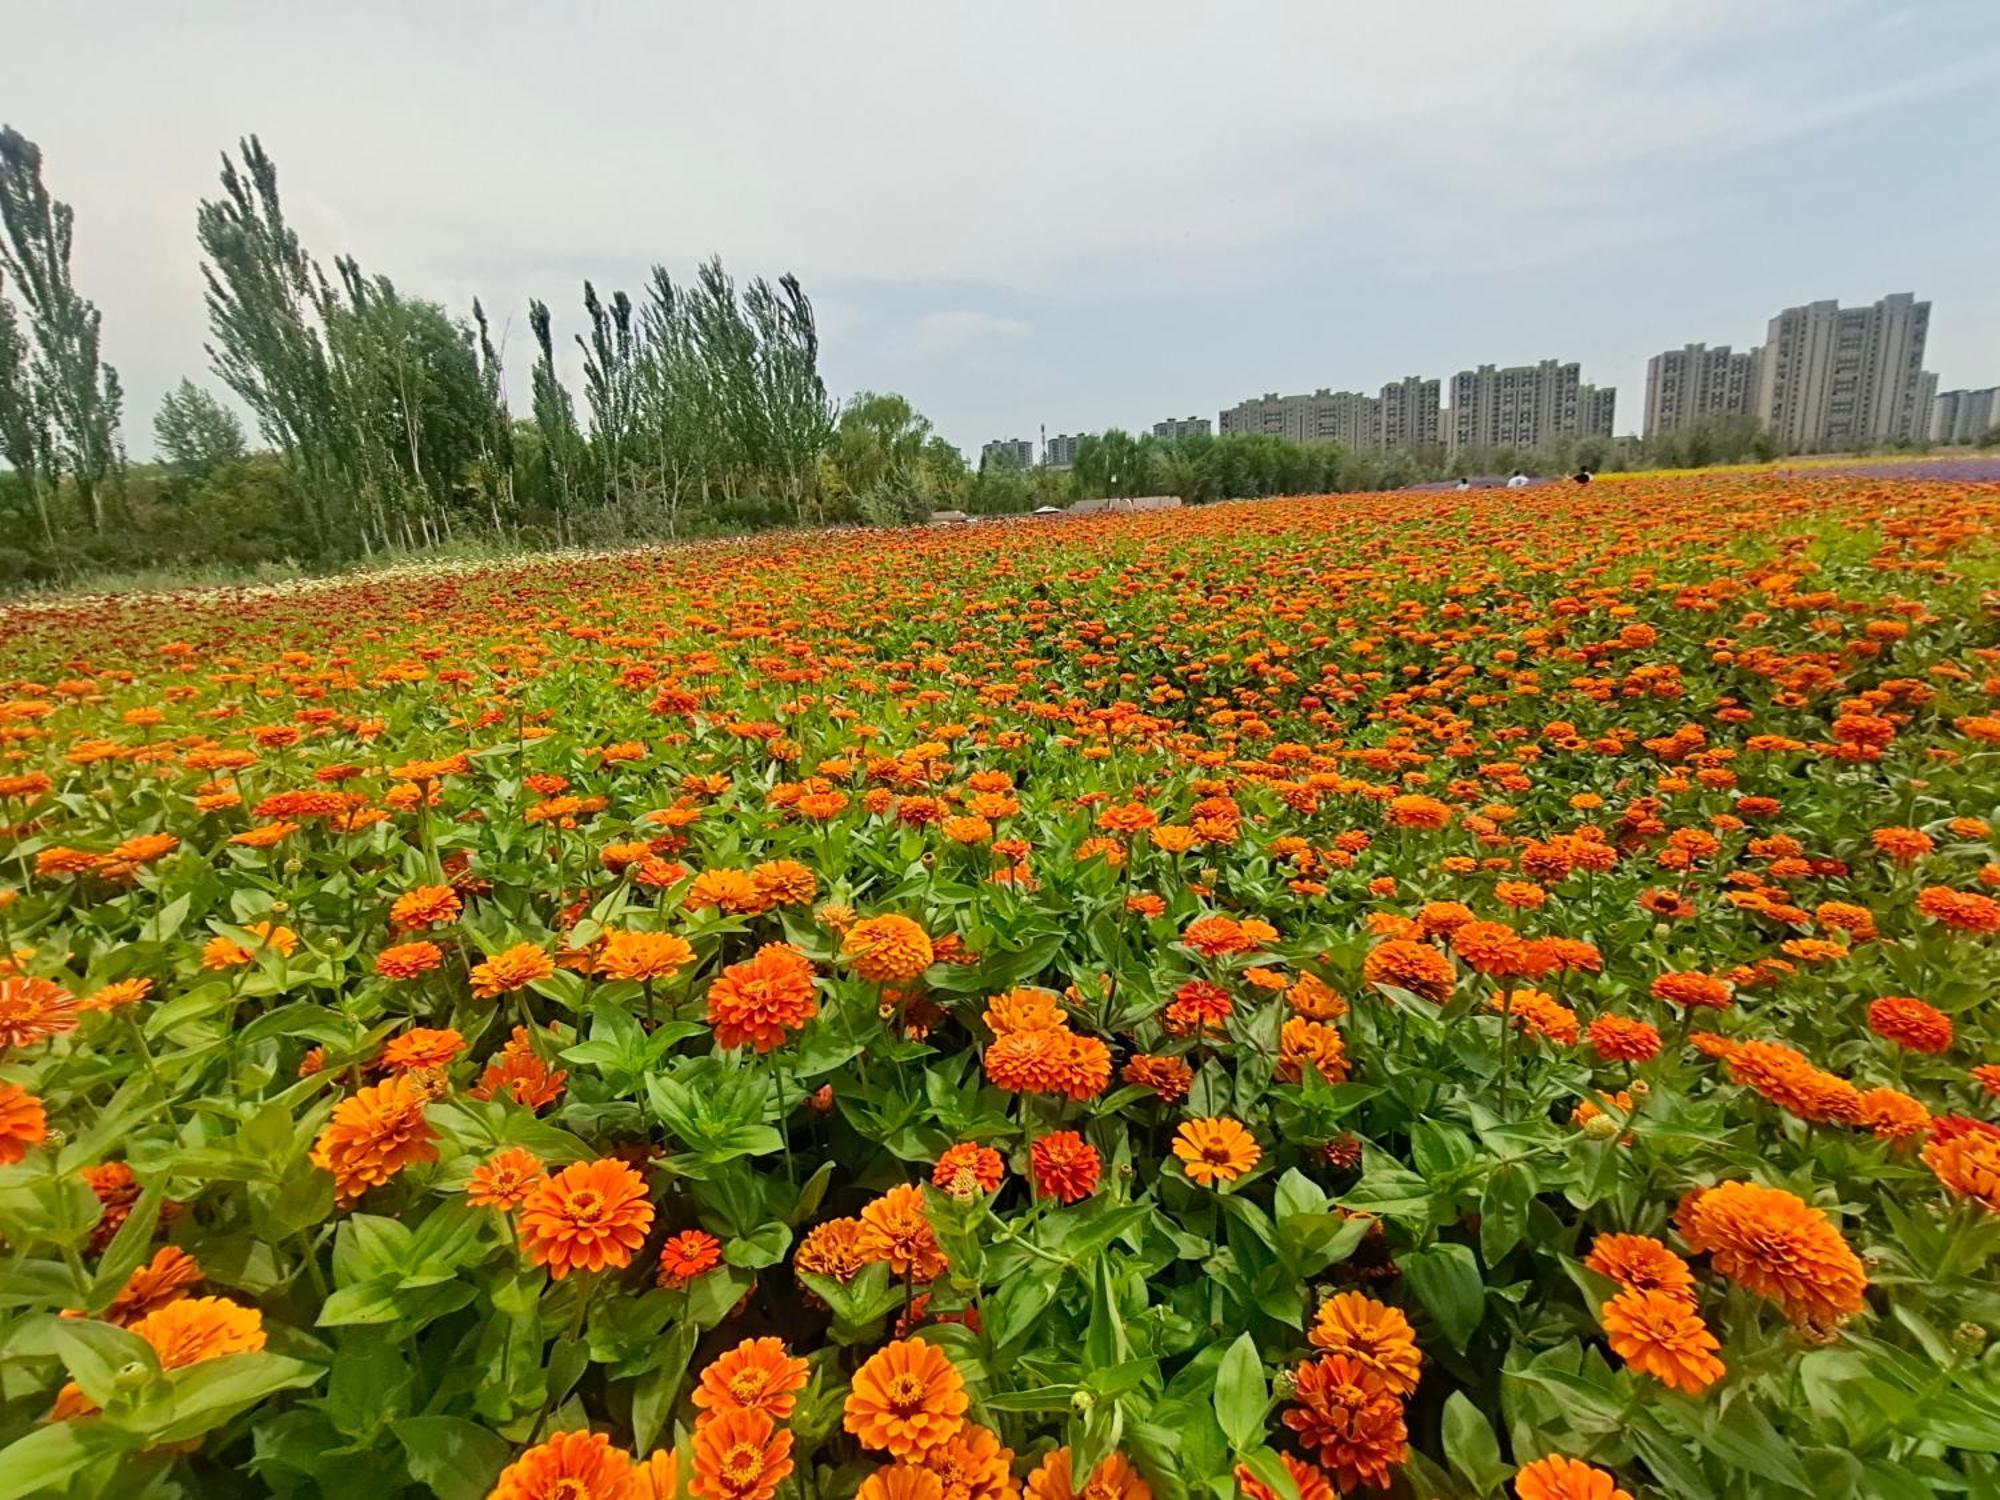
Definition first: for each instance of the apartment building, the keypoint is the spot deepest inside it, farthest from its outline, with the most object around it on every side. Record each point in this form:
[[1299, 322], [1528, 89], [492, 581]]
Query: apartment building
[[1526, 406], [1696, 383], [1833, 377], [1007, 453], [1345, 417], [1407, 411], [1181, 427], [1964, 416], [1059, 452]]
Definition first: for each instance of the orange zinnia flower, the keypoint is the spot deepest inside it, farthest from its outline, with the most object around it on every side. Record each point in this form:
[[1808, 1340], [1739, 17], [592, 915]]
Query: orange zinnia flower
[[691, 1253], [643, 956], [421, 1047], [1911, 1024], [33, 1010], [1348, 1416], [408, 960], [1405, 965], [1559, 1478], [164, 1279], [1777, 1245], [1964, 1155], [1308, 1480], [1638, 1262], [901, 1481], [973, 1465], [569, 1466], [1373, 1334], [971, 1162], [590, 1216], [838, 1249], [519, 965], [425, 906], [374, 1135], [757, 1375], [894, 1228], [740, 1455], [887, 949], [763, 999], [1066, 1167], [23, 1123], [1661, 1335], [906, 1399], [1112, 1479], [505, 1179], [1215, 1150]]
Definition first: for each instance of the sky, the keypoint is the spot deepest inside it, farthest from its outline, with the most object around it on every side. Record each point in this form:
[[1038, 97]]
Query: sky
[[1060, 215]]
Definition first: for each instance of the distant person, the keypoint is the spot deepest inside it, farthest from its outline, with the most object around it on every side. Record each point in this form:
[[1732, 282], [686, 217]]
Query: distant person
[[1463, 483], [1582, 475], [1517, 480]]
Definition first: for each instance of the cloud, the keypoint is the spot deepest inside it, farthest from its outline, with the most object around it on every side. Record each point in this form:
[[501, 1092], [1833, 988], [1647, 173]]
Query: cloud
[[951, 332]]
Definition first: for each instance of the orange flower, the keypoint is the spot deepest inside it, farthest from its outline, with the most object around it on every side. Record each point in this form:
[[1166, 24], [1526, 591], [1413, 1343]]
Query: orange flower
[[1065, 1166], [374, 1135], [740, 1455], [1168, 1077], [887, 949], [686, 1255], [894, 1228], [1778, 1246], [1215, 1150], [1309, 1481], [23, 1123], [184, 1332], [839, 1248], [1968, 911], [520, 965], [902, 1481], [1559, 1478], [1112, 1479], [973, 1465], [1692, 991], [1346, 1413], [784, 882], [757, 1375], [1620, 1039], [33, 1010], [1911, 1024], [164, 1279], [1638, 1262], [117, 995], [1964, 1155], [659, 1477], [971, 1162], [425, 906], [569, 1466], [1025, 1009], [763, 999], [733, 891], [590, 1216], [408, 960], [505, 1179], [907, 1399], [1303, 1043], [521, 1075], [643, 956], [1374, 1335], [1416, 967], [421, 1047], [1661, 1335]]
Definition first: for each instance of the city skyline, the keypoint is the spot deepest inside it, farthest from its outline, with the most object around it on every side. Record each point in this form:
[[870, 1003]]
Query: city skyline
[[1633, 177]]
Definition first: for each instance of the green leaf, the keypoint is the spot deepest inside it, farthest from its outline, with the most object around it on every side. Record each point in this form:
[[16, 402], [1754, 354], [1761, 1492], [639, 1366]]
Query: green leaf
[[95, 1354], [1241, 1396], [1447, 1281], [209, 1393], [1268, 1467], [1503, 1211], [1745, 1439], [458, 1459], [1470, 1446], [42, 1462]]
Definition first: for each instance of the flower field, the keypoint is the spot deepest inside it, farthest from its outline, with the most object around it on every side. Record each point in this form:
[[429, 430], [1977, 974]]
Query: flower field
[[1454, 995]]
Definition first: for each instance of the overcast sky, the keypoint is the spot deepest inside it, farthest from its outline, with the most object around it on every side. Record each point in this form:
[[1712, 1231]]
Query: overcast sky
[[1076, 215]]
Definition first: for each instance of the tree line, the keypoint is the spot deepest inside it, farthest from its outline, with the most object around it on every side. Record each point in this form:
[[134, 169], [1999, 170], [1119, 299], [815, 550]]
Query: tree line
[[382, 424]]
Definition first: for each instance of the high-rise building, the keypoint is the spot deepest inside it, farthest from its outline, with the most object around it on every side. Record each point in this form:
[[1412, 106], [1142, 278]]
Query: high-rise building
[[1180, 427], [1685, 386], [1596, 410], [1833, 377], [1408, 413], [1526, 406], [1345, 417], [1059, 452], [1007, 453], [1965, 416]]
